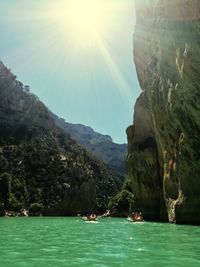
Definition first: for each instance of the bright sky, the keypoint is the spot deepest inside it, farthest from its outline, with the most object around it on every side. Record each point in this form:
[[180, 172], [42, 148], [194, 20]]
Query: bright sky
[[77, 58]]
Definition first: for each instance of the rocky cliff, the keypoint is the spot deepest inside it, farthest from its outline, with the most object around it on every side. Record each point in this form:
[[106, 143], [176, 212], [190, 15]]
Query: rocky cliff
[[102, 146], [163, 143], [40, 165]]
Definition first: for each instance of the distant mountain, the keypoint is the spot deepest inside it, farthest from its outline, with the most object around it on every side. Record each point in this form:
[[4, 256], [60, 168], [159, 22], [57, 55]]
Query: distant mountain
[[40, 165], [100, 145]]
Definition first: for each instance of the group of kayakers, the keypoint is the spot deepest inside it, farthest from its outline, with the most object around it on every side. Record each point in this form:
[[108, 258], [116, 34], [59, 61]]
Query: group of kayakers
[[135, 216]]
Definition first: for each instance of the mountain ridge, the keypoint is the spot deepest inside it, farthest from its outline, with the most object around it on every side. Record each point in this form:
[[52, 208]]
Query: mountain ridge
[[40, 163], [102, 146]]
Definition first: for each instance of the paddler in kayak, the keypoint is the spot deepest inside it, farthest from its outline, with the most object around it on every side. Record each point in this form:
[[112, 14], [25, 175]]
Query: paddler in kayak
[[137, 216], [93, 217]]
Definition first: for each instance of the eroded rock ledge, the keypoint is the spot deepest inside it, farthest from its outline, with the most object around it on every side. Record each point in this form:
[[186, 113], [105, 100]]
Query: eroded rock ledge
[[163, 144]]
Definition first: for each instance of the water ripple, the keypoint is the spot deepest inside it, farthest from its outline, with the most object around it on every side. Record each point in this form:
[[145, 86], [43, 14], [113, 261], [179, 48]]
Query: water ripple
[[70, 242]]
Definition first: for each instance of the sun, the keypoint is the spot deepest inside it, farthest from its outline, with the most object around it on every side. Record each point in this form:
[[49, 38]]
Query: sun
[[86, 16], [85, 20]]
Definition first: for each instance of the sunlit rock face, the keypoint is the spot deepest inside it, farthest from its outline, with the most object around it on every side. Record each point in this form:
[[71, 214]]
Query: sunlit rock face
[[163, 144]]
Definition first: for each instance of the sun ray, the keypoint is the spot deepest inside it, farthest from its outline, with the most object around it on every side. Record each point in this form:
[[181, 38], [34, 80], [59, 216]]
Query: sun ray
[[75, 51], [123, 87]]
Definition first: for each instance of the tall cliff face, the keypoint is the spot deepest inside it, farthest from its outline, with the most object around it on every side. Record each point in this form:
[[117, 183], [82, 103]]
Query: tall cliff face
[[102, 146], [40, 163], [163, 144]]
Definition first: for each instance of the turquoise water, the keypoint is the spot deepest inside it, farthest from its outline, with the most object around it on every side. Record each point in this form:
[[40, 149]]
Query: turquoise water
[[63, 242]]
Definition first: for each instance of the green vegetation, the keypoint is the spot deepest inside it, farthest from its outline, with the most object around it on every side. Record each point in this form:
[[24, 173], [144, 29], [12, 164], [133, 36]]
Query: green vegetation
[[123, 202], [102, 146], [35, 209], [14, 204], [40, 163], [5, 189]]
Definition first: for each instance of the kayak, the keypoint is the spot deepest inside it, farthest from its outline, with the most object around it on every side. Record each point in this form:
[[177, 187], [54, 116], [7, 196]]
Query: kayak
[[132, 220], [90, 220]]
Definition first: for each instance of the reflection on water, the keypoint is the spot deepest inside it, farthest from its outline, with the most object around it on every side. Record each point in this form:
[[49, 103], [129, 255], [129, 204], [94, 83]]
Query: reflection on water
[[60, 242]]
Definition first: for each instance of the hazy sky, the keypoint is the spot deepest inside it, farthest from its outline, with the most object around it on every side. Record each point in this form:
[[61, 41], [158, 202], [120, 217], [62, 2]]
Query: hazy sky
[[77, 59]]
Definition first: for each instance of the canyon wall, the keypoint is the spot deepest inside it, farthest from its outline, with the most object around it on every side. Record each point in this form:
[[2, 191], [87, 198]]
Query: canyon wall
[[163, 143]]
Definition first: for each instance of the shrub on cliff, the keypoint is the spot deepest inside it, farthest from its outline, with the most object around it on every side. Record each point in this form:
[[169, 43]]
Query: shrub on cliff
[[14, 204], [5, 188], [121, 203], [35, 209], [2, 211]]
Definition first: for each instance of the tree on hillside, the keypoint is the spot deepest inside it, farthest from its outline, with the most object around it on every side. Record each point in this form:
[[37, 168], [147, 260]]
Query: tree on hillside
[[5, 188]]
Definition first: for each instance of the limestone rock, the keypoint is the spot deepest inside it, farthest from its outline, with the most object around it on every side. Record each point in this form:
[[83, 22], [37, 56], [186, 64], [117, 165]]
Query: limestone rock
[[163, 143]]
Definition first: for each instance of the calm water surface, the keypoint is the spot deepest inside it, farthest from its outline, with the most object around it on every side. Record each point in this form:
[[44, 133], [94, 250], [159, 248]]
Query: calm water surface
[[59, 242]]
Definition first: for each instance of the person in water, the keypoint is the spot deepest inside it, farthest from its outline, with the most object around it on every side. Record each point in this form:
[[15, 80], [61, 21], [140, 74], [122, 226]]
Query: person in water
[[140, 214], [137, 216], [93, 216]]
